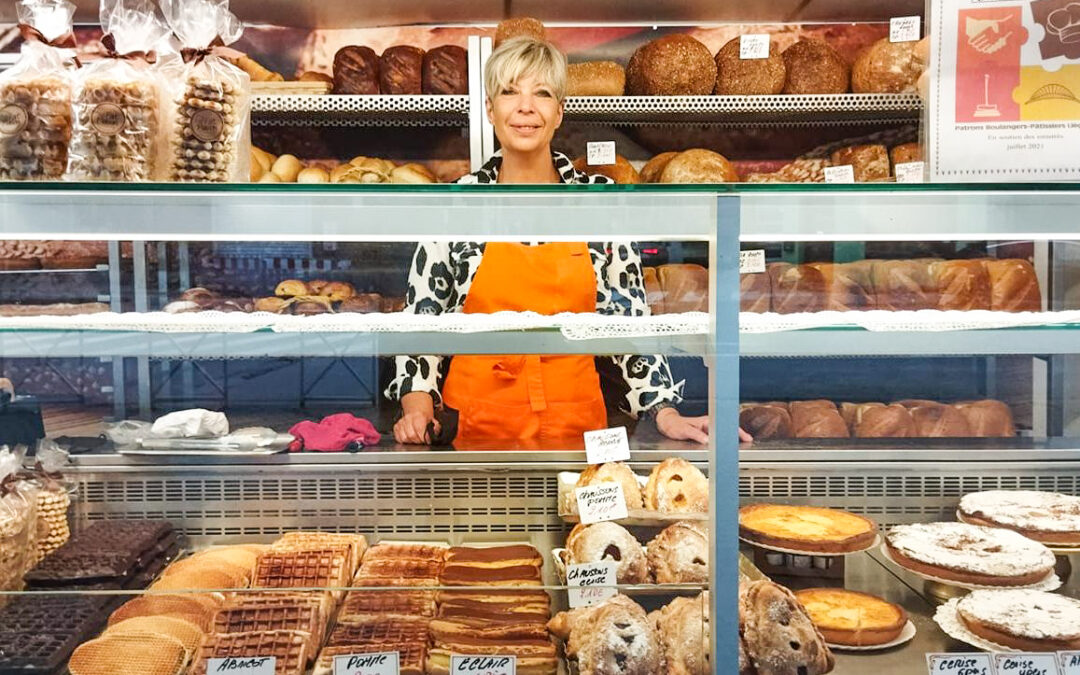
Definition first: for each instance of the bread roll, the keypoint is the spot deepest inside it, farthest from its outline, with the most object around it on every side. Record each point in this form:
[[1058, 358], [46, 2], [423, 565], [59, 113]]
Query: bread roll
[[910, 403], [904, 285], [886, 68], [445, 71], [595, 78], [811, 419], [962, 285], [849, 287], [521, 27], [287, 168], [685, 288], [674, 65], [887, 421], [755, 292], [654, 295], [988, 418], [1014, 286], [364, 303], [400, 70], [622, 172], [413, 173], [796, 288], [274, 305], [852, 413], [940, 421], [264, 158], [868, 162], [699, 166], [313, 76], [269, 177], [765, 422], [736, 76], [650, 173], [356, 71], [904, 153], [813, 67], [291, 288], [313, 174], [257, 170], [338, 291]]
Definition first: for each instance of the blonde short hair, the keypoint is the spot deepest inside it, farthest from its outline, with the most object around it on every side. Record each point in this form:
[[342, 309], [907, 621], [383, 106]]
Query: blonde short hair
[[521, 56]]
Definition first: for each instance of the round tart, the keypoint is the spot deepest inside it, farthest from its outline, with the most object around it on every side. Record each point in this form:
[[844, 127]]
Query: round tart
[[852, 618], [1031, 621], [970, 554], [806, 528], [1048, 517]]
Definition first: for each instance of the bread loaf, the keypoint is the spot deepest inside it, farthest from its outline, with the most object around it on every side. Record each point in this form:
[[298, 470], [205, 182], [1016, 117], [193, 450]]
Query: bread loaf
[[445, 71], [400, 70], [796, 288], [1014, 286], [904, 285], [595, 78], [868, 162], [813, 67], [815, 419], [852, 413], [988, 418], [524, 26], [940, 421], [887, 421], [886, 68], [904, 153], [765, 422], [755, 294], [622, 171], [962, 285], [654, 295], [849, 287], [685, 288], [356, 71], [650, 173], [674, 65], [736, 76], [699, 166]]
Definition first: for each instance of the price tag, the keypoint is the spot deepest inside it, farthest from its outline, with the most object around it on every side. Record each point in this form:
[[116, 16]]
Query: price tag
[[381, 663], [607, 445], [591, 583], [1069, 662], [600, 152], [752, 262], [840, 174], [974, 663], [904, 28], [483, 665], [597, 503], [910, 172], [257, 665], [754, 46], [1026, 664]]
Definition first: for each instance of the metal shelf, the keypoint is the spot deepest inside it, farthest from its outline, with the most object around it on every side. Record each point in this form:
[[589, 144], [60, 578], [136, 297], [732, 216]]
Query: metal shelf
[[840, 342], [635, 110], [81, 270], [360, 111]]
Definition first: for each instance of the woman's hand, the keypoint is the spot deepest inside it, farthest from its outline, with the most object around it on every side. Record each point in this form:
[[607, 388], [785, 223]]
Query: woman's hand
[[417, 412], [678, 428]]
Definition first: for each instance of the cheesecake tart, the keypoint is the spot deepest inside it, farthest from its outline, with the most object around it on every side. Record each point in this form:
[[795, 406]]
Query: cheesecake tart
[[852, 618], [1031, 621], [1048, 517], [970, 554], [809, 529]]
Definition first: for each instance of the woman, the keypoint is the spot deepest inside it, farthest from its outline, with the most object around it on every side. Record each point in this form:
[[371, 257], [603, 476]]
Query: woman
[[529, 397]]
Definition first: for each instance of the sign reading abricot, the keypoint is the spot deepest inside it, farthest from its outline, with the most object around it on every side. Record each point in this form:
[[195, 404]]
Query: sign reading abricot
[[1026, 664], [483, 665], [1069, 663], [974, 663], [607, 445], [381, 663], [251, 665], [591, 583], [600, 502]]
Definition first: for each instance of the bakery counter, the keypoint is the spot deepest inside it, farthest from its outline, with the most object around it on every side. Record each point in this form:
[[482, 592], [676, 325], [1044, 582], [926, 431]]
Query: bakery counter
[[909, 450]]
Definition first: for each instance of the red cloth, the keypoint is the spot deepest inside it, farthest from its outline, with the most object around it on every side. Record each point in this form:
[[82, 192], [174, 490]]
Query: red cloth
[[333, 434]]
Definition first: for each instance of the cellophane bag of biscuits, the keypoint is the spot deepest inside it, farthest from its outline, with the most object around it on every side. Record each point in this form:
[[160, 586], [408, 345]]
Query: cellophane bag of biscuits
[[53, 498], [35, 94], [210, 134], [18, 523], [117, 102]]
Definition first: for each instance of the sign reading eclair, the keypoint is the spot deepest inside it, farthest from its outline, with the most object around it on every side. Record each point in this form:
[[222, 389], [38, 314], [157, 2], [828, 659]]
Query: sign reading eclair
[[256, 665], [600, 502], [483, 665], [381, 663]]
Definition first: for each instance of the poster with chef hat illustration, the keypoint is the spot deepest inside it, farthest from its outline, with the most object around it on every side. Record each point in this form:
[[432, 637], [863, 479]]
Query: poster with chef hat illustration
[[1005, 98]]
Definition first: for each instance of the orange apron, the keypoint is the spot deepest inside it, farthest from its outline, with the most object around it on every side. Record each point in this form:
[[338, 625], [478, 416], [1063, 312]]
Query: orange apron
[[527, 397]]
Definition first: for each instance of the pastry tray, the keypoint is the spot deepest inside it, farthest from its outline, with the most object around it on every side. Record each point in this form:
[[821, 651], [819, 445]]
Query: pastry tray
[[1050, 583], [906, 635], [948, 618], [813, 554], [1058, 549], [633, 589], [635, 517]]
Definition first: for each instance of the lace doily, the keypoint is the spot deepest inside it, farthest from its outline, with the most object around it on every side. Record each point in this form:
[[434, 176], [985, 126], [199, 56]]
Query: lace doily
[[925, 320]]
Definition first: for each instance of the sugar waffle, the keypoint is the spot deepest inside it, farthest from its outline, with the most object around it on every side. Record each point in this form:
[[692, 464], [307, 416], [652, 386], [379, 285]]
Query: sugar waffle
[[136, 536], [195, 609], [189, 635], [51, 613], [405, 552], [66, 565], [379, 630], [399, 569], [411, 657], [302, 569], [322, 600], [409, 603], [199, 579], [34, 653], [199, 564], [288, 647], [143, 654], [306, 541], [307, 619]]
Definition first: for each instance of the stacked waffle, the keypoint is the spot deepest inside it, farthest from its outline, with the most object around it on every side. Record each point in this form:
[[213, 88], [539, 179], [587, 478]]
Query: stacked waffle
[[38, 633], [395, 620], [53, 527], [509, 620]]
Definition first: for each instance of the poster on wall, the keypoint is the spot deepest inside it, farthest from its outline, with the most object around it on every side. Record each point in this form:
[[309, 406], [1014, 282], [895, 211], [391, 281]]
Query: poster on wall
[[1005, 98]]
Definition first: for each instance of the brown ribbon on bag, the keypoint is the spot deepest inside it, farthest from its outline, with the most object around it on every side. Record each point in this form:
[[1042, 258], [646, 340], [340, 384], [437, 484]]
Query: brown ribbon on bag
[[109, 42], [7, 485], [65, 41], [190, 54]]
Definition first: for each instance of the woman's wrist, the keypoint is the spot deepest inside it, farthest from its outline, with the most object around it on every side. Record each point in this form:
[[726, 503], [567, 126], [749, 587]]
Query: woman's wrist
[[417, 401], [654, 412]]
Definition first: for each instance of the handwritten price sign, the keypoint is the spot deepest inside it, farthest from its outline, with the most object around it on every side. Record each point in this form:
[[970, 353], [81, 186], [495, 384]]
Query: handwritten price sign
[[601, 502], [607, 445], [381, 663], [1069, 662], [483, 665], [591, 583], [975, 663], [1026, 664], [258, 665]]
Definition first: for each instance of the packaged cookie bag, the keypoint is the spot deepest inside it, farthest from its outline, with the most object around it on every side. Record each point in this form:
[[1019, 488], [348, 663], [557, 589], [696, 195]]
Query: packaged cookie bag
[[210, 137], [116, 100], [53, 498], [18, 523], [35, 94]]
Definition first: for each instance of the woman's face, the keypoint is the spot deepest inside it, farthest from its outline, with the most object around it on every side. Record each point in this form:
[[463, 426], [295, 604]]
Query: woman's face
[[525, 115]]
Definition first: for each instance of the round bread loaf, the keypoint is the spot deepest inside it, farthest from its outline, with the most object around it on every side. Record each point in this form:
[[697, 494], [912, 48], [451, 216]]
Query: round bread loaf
[[765, 422], [650, 173], [886, 68], [699, 166], [595, 78], [674, 65], [524, 26], [988, 418], [891, 421], [622, 172], [813, 67], [445, 71], [356, 70], [736, 76], [400, 70]]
